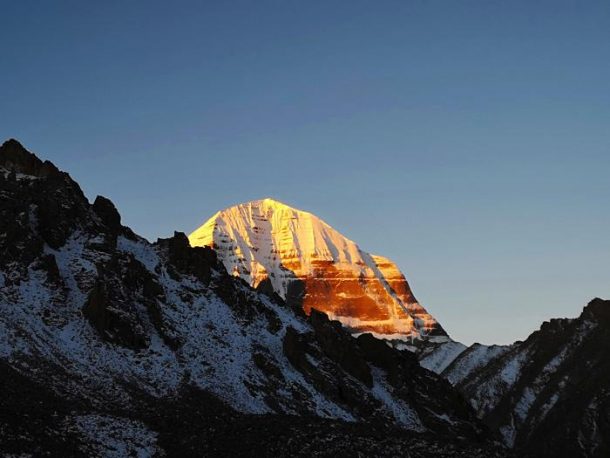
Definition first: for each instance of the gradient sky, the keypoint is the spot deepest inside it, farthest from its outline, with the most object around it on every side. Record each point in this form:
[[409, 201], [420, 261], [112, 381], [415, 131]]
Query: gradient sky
[[469, 141]]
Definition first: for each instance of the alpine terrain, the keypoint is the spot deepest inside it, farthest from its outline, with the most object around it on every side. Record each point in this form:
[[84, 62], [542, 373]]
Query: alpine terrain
[[295, 254], [547, 396], [114, 346], [269, 334]]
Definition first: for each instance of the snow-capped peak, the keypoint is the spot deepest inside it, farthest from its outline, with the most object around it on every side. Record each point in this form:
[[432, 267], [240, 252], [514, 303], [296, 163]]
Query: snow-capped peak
[[304, 257]]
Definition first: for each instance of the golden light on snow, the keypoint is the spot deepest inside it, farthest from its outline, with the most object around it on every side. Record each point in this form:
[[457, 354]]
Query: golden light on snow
[[266, 239]]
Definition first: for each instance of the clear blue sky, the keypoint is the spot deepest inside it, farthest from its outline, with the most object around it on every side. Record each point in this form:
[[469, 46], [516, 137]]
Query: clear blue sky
[[467, 140]]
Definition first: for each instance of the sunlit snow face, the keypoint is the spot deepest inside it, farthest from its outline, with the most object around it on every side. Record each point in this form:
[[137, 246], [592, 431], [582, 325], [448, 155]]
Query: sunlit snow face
[[309, 262]]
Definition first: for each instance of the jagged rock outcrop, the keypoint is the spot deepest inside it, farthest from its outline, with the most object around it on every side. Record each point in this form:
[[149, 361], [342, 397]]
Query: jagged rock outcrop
[[114, 336], [108, 213], [198, 262]]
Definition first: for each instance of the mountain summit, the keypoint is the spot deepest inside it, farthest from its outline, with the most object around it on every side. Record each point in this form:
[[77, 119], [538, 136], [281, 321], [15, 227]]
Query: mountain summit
[[308, 263]]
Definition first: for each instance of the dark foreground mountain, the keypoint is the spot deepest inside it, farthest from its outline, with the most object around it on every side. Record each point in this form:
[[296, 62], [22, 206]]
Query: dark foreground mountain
[[112, 346], [549, 395]]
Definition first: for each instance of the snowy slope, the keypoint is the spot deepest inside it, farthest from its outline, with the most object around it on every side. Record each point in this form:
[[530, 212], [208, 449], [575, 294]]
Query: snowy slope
[[472, 359], [441, 356]]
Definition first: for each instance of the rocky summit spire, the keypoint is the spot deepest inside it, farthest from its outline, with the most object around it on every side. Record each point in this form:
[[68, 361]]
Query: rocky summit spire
[[14, 157], [310, 264]]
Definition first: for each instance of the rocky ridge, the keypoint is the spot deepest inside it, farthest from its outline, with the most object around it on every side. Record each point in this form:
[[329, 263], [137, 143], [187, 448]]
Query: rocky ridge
[[550, 394]]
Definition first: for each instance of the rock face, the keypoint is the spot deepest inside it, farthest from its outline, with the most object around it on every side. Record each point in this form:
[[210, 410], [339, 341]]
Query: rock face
[[549, 395], [311, 265], [113, 346]]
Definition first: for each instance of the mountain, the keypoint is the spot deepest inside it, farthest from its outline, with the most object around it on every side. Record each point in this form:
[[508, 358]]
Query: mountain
[[547, 396], [114, 346], [311, 265], [550, 394]]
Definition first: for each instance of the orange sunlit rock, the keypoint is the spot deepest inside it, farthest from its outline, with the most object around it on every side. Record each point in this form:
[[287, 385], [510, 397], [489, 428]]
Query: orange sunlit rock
[[296, 251]]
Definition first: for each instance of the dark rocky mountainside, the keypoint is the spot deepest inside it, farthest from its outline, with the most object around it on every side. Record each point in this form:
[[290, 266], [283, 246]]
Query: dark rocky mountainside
[[549, 395], [113, 346]]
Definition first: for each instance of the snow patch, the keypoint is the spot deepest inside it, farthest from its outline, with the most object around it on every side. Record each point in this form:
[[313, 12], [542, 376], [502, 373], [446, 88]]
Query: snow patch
[[525, 403], [115, 437], [474, 358], [140, 250], [403, 413]]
